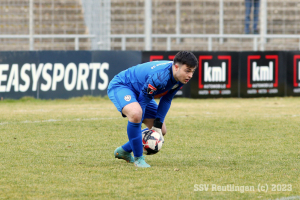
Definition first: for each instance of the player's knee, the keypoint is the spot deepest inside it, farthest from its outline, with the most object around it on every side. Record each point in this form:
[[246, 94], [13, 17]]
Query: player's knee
[[135, 116]]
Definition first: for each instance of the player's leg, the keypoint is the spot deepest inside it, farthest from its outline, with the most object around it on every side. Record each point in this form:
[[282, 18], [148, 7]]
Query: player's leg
[[150, 113], [125, 101], [134, 113], [113, 91], [248, 5], [255, 16]]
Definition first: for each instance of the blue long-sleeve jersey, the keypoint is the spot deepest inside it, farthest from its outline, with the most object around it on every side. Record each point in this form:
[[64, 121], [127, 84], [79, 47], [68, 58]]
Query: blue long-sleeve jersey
[[149, 80]]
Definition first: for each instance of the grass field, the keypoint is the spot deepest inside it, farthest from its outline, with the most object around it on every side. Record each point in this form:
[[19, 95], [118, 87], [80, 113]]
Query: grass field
[[63, 149]]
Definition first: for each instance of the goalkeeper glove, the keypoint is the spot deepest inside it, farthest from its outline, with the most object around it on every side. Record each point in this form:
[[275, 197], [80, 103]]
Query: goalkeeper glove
[[157, 126]]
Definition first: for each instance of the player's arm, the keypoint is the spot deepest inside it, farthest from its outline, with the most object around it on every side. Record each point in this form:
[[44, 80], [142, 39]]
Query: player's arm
[[165, 103], [162, 110], [148, 91]]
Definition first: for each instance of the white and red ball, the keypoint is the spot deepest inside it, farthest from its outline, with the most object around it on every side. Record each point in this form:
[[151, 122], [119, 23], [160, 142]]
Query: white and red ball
[[152, 142]]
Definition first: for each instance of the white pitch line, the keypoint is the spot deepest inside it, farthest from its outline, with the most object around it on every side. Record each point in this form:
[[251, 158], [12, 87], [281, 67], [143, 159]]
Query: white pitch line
[[59, 120], [289, 198], [108, 118], [70, 120], [61, 110]]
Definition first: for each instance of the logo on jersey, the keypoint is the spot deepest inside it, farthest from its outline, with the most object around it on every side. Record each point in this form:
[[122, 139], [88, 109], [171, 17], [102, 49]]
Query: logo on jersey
[[262, 73], [175, 86], [151, 89], [214, 74], [127, 98]]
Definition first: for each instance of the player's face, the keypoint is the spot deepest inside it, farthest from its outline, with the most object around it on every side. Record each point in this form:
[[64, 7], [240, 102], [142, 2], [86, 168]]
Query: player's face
[[183, 73]]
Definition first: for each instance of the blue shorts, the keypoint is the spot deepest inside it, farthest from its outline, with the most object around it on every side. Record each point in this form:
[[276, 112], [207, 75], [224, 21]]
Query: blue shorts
[[122, 95]]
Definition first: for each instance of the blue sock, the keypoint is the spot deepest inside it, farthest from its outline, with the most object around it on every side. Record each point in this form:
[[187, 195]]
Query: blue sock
[[135, 138], [127, 146]]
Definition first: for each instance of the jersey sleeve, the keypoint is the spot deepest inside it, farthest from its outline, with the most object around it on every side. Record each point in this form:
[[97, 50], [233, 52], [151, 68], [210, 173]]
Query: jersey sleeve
[[165, 103], [153, 84]]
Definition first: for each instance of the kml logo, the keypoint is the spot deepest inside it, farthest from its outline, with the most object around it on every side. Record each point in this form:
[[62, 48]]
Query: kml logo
[[262, 74], [215, 73], [220, 74], [296, 69]]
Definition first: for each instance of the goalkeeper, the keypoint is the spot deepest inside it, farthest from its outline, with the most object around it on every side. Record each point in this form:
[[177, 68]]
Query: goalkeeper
[[133, 90]]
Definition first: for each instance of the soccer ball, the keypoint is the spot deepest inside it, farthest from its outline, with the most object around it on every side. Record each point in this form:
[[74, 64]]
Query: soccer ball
[[152, 142]]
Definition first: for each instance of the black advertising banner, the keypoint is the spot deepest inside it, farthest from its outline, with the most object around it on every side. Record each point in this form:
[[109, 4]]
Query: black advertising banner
[[148, 56], [61, 74], [262, 74], [216, 76], [19, 74], [65, 74], [113, 62], [293, 74]]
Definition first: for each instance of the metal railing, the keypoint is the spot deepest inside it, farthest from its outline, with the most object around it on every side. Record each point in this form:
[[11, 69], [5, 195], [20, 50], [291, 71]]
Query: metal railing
[[258, 40], [31, 44], [104, 20], [207, 19]]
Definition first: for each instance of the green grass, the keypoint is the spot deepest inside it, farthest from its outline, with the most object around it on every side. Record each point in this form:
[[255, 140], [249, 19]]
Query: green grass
[[63, 149]]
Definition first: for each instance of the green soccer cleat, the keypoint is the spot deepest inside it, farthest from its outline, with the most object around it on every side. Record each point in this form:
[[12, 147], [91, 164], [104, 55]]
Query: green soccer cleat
[[120, 153], [140, 162]]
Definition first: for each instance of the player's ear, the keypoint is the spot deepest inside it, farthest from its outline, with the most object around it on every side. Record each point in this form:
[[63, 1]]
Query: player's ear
[[176, 67]]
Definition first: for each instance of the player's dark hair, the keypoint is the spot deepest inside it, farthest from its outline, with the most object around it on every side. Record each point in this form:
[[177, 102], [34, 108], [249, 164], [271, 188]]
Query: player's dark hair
[[186, 58]]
